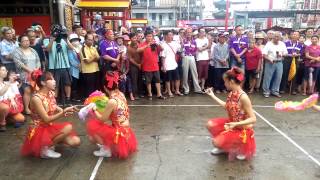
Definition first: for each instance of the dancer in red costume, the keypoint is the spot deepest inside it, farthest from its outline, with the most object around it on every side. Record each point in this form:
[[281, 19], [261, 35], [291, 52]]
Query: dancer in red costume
[[44, 133], [234, 135], [117, 140]]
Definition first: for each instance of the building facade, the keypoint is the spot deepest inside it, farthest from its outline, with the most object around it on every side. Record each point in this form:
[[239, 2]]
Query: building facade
[[305, 20], [165, 13]]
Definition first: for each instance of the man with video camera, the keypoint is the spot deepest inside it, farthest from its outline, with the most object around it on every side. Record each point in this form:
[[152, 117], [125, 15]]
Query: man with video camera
[[150, 57], [57, 47]]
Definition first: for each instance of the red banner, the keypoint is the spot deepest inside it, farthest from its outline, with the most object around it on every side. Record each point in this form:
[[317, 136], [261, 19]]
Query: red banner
[[21, 23]]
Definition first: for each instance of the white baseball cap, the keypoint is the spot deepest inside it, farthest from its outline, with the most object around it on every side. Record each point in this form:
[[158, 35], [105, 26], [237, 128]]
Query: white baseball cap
[[195, 32], [74, 36]]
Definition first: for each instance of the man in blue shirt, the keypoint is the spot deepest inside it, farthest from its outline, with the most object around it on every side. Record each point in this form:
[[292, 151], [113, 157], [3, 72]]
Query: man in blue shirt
[[7, 45], [57, 48]]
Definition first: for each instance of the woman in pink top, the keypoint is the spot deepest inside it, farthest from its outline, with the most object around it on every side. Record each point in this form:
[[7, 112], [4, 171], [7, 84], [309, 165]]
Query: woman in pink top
[[312, 65]]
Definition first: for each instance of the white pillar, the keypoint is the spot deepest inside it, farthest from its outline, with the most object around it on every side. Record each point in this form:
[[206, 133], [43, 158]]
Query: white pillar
[[61, 4], [188, 10]]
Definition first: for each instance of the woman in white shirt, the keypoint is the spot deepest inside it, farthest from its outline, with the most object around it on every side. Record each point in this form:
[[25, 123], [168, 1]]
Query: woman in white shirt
[[202, 57], [170, 65]]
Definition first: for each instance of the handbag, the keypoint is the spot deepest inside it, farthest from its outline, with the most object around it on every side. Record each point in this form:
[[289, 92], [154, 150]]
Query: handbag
[[177, 55]]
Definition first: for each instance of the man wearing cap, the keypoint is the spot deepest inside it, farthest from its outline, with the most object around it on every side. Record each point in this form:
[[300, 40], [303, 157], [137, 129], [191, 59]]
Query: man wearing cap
[[221, 63], [259, 44], [98, 22], [189, 63], [238, 47], [139, 29], [74, 60], [109, 51], [7, 45]]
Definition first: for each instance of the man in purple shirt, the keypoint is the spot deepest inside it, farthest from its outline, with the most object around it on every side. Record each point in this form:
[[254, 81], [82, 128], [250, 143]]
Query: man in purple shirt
[[238, 47], [188, 63], [109, 52], [294, 49]]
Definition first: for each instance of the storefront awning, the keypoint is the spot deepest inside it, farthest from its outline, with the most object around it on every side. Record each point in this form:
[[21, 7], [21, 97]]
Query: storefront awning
[[103, 4], [138, 21]]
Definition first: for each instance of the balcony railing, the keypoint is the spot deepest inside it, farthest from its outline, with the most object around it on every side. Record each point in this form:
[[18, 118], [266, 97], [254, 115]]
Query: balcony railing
[[144, 4], [164, 23], [152, 4]]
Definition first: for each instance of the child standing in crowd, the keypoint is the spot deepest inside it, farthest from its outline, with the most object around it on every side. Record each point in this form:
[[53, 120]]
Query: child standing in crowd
[[45, 133], [234, 135], [11, 104], [118, 139]]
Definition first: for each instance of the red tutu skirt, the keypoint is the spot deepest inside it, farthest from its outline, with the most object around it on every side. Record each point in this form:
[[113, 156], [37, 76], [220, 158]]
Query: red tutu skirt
[[121, 140], [41, 136], [234, 142], [19, 102]]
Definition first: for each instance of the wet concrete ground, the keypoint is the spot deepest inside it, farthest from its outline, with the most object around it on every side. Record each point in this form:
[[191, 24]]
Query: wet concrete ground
[[175, 145]]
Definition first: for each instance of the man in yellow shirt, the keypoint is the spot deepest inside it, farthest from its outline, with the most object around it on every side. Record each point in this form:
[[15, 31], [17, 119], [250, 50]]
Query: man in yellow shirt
[[89, 66]]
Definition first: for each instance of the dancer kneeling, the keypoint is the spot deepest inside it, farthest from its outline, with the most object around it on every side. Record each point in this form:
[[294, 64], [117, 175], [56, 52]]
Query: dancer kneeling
[[234, 135], [44, 133], [117, 140]]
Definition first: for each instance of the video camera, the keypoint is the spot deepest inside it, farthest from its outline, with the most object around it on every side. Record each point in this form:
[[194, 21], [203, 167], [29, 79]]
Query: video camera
[[59, 32], [153, 46]]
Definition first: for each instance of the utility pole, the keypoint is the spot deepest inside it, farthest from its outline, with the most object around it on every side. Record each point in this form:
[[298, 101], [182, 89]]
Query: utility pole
[[269, 22], [147, 10], [179, 10], [226, 20], [188, 10]]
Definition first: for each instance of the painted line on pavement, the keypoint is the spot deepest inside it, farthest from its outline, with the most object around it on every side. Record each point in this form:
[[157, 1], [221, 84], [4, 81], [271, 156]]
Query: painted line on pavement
[[288, 138], [96, 168], [189, 105], [182, 105]]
